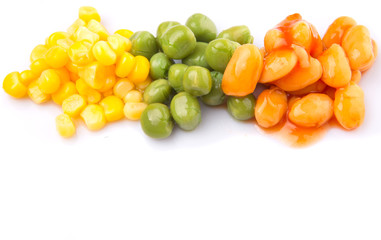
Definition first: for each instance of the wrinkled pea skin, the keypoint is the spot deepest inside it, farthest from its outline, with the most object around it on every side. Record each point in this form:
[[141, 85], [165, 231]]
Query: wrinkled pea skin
[[203, 27], [144, 44], [216, 96], [197, 81], [219, 52], [164, 26], [176, 75], [240, 34], [156, 121], [186, 111], [241, 108], [160, 65], [159, 91], [178, 42], [197, 57]]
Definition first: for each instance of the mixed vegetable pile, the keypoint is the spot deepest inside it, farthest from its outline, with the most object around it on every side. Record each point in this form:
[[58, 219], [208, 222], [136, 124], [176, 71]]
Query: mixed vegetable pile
[[101, 77]]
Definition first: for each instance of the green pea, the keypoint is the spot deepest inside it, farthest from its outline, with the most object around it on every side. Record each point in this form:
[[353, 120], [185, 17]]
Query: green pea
[[240, 34], [219, 52], [143, 43], [176, 75], [159, 91], [178, 42], [197, 81], [241, 108], [186, 111], [197, 57], [216, 96], [164, 26], [156, 121], [159, 66], [203, 27]]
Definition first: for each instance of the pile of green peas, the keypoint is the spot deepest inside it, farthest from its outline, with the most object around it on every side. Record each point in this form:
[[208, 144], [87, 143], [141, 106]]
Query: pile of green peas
[[187, 64]]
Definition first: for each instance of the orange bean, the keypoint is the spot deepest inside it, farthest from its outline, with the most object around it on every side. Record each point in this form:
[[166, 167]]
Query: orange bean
[[274, 39], [278, 64], [316, 87], [301, 35], [271, 106], [337, 30]]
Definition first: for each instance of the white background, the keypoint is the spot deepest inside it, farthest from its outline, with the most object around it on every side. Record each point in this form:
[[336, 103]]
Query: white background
[[225, 180]]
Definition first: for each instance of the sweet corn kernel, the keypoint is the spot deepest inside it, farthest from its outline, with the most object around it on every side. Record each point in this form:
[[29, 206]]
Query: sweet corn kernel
[[73, 105], [53, 38], [94, 74], [113, 108], [103, 53], [91, 95], [72, 67], [65, 43], [65, 126], [98, 28], [66, 90], [56, 57], [27, 77], [124, 32], [125, 64], [141, 70], [109, 84], [87, 13], [38, 52], [134, 110], [49, 81], [119, 44], [64, 74], [38, 66], [94, 117], [78, 23], [13, 86], [133, 96], [35, 93], [80, 53], [143, 85], [73, 76], [122, 87], [83, 33], [107, 93]]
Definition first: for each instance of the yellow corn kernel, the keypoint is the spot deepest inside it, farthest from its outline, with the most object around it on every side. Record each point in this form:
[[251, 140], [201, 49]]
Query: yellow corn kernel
[[73, 76], [35, 93], [38, 66], [72, 67], [94, 117], [87, 13], [38, 52], [125, 64], [109, 84], [78, 23], [73, 105], [143, 85], [124, 32], [133, 96], [119, 44], [141, 70], [53, 38], [80, 53], [91, 95], [65, 43], [122, 87], [27, 77], [66, 90], [13, 86], [103, 53], [98, 28], [56, 57], [65, 126], [113, 108], [64, 74], [134, 110], [83, 33], [49, 81], [107, 93], [94, 74]]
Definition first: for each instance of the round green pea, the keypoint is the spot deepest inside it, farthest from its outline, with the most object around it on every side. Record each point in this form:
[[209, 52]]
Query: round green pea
[[156, 121], [178, 42], [219, 52], [240, 34], [176, 75], [197, 81], [216, 96], [186, 111], [241, 108], [203, 27], [159, 66], [143, 43], [197, 57], [164, 26], [159, 91]]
